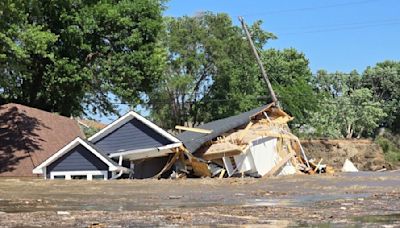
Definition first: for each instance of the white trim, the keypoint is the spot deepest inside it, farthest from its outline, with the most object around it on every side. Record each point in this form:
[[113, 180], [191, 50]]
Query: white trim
[[41, 168], [147, 152], [170, 146], [89, 174], [124, 119]]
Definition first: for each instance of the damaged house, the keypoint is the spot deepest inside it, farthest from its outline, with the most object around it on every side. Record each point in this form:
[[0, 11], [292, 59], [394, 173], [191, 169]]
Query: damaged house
[[255, 143], [131, 146]]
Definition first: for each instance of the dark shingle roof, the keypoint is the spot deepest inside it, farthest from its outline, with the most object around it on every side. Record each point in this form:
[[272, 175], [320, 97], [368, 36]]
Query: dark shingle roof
[[194, 140], [101, 152]]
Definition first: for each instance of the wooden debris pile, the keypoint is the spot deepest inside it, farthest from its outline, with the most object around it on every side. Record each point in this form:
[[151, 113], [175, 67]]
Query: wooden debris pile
[[264, 147]]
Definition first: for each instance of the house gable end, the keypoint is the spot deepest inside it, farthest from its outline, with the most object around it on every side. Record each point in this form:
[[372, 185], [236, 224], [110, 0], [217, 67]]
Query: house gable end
[[79, 158], [132, 135]]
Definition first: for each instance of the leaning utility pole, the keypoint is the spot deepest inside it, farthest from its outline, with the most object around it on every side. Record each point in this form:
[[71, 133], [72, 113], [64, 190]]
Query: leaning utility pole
[[263, 72]]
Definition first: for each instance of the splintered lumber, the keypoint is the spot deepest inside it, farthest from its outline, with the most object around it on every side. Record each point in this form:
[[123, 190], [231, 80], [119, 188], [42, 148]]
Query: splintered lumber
[[193, 129], [244, 132], [221, 175], [169, 164], [279, 165], [222, 149], [273, 134], [200, 168], [317, 166], [282, 120]]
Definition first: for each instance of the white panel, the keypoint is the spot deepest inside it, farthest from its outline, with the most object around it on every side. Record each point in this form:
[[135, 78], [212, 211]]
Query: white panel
[[228, 165], [245, 163], [264, 154]]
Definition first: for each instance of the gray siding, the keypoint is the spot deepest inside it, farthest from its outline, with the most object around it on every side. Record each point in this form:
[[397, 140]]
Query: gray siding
[[79, 158], [131, 136]]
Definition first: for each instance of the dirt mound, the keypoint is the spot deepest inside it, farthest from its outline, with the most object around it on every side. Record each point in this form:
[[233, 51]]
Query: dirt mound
[[365, 154]]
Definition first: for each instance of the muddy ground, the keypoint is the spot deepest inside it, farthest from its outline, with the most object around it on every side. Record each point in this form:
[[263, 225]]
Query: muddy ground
[[370, 199]]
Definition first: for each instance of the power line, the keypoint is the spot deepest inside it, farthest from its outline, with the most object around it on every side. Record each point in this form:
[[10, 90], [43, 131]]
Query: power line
[[342, 28], [369, 22], [308, 8]]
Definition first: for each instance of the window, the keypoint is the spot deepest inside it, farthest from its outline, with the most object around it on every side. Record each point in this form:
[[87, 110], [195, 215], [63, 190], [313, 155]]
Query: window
[[59, 177], [79, 177], [98, 177]]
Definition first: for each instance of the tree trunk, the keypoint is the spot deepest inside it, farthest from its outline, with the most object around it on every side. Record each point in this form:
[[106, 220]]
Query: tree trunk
[[349, 132], [360, 133]]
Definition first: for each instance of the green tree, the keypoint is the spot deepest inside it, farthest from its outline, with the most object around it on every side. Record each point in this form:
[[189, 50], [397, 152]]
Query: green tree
[[210, 71], [384, 81], [353, 114], [292, 80], [63, 55]]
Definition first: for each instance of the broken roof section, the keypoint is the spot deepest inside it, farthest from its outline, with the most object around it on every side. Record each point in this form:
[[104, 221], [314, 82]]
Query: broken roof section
[[28, 136], [194, 140]]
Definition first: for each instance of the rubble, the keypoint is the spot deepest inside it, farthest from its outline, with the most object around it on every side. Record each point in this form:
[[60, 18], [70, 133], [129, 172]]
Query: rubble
[[348, 166], [259, 146]]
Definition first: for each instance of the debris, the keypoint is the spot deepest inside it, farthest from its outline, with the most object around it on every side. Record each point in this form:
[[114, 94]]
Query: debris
[[221, 175], [381, 170], [174, 197], [256, 144], [198, 130], [97, 225], [200, 168], [223, 149], [63, 213], [348, 166]]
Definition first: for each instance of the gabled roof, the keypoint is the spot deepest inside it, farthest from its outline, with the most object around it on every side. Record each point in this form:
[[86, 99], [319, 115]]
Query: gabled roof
[[79, 141], [28, 136], [126, 118], [194, 140]]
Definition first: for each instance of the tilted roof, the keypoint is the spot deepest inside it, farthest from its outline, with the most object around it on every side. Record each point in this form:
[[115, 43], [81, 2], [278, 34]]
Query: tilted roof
[[194, 140], [28, 136]]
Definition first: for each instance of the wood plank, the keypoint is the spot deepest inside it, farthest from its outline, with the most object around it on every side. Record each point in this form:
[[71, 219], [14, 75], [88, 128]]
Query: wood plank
[[279, 164], [221, 175], [193, 129], [244, 132]]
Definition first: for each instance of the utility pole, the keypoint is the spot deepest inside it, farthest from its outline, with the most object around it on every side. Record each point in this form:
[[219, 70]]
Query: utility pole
[[263, 72]]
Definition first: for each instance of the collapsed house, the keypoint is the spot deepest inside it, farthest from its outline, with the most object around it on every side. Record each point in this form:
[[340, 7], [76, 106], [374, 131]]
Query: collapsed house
[[131, 146], [255, 143]]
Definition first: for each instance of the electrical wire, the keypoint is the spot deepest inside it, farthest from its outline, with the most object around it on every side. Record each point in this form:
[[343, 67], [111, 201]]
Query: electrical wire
[[307, 8]]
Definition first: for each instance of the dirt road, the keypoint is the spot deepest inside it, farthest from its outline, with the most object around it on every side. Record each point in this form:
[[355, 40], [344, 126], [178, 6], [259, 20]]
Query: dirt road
[[367, 199]]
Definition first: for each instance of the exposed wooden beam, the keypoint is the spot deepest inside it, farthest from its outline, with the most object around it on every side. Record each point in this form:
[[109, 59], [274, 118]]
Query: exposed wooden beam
[[193, 129]]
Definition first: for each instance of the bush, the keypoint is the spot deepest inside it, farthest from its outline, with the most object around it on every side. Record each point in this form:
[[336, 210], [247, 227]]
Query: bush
[[391, 146]]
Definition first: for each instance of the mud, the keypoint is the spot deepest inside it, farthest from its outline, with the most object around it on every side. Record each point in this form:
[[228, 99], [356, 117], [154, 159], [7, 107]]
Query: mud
[[370, 199], [365, 154]]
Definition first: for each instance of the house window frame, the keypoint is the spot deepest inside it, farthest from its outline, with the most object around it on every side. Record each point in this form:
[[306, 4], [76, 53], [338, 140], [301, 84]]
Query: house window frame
[[88, 173]]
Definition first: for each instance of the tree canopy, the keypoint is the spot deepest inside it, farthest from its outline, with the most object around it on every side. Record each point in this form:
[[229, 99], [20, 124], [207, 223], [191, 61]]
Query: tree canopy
[[62, 55], [211, 72]]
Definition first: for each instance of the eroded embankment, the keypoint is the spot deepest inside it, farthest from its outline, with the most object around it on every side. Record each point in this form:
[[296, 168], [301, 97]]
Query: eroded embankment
[[365, 154]]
